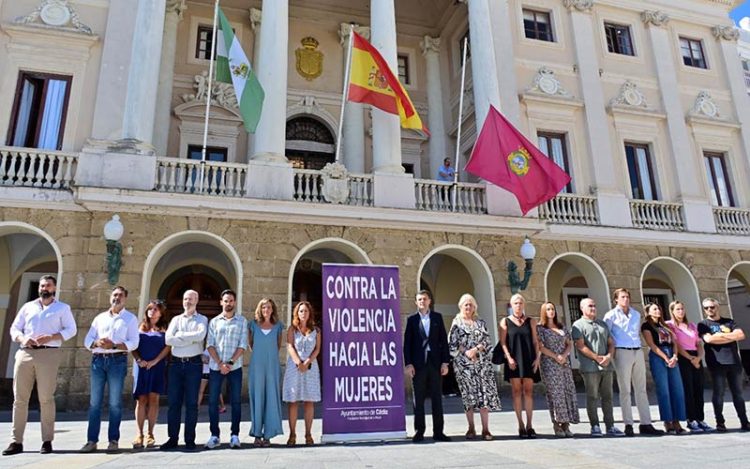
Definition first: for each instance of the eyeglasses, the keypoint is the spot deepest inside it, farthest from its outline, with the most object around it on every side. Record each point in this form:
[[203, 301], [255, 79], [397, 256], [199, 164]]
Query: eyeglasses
[[158, 302], [709, 307]]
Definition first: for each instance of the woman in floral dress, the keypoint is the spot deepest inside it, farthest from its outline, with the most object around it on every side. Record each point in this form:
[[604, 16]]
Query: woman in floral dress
[[555, 345], [469, 344]]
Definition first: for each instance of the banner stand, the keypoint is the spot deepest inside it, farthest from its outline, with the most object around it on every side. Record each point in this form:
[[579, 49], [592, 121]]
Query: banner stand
[[357, 437]]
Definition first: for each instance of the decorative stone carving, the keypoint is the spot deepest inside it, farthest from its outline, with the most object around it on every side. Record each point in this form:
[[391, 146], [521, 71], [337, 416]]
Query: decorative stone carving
[[57, 14], [430, 44], [580, 5], [344, 29], [726, 33], [654, 18], [176, 6], [705, 106], [546, 83], [335, 183], [630, 96], [222, 93], [309, 63], [255, 17]]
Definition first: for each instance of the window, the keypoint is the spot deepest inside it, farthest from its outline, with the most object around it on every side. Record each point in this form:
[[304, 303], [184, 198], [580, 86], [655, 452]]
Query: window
[[537, 25], [618, 39], [465, 37], [212, 153], [38, 115], [553, 145], [640, 170], [718, 181], [204, 42], [692, 53], [403, 69], [408, 168]]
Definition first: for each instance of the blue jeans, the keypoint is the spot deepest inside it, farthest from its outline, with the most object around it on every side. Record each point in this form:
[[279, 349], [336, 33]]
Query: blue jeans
[[183, 385], [669, 390], [215, 380], [109, 370]]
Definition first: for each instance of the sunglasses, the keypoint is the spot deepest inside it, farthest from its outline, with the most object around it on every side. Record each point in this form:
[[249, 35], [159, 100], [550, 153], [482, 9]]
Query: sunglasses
[[158, 302], [709, 307]]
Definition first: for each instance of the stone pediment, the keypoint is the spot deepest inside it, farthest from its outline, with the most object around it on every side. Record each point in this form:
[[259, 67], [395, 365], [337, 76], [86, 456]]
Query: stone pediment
[[55, 14], [196, 110]]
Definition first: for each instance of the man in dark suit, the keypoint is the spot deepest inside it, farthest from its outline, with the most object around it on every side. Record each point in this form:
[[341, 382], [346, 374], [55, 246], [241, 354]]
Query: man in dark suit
[[426, 358]]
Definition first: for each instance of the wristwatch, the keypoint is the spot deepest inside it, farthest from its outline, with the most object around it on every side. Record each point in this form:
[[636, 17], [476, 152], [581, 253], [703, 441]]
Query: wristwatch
[[229, 362]]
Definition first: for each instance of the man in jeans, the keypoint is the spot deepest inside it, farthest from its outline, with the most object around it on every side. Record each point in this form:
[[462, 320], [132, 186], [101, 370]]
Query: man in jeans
[[595, 350], [624, 325], [227, 341], [721, 336], [185, 335], [112, 335]]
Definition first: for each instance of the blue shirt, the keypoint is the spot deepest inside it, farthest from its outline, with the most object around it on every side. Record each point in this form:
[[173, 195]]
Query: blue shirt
[[625, 329], [449, 174]]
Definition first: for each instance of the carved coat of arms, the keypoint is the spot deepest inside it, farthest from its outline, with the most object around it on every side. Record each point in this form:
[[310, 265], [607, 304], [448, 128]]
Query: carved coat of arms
[[309, 59]]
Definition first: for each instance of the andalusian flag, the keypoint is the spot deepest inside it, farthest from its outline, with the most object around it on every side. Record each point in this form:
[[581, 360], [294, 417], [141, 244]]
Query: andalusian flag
[[233, 67], [372, 81]]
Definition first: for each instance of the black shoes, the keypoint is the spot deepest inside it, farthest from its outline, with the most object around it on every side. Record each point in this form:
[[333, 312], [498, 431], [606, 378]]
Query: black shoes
[[191, 447], [168, 445], [46, 448], [629, 430], [441, 437], [418, 437], [745, 427], [649, 430], [13, 448], [721, 427]]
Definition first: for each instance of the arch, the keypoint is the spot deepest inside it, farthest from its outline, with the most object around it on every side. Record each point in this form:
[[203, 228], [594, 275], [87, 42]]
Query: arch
[[588, 268], [680, 280], [481, 277], [16, 227], [354, 253], [183, 237], [738, 297], [310, 141]]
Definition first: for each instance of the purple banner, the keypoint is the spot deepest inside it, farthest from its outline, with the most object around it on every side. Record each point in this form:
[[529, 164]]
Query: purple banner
[[363, 377]]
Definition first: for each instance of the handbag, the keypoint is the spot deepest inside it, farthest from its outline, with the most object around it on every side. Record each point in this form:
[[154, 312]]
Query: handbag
[[498, 356]]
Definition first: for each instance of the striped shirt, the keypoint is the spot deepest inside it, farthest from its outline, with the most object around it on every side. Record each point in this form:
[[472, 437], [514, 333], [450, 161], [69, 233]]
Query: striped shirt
[[226, 336]]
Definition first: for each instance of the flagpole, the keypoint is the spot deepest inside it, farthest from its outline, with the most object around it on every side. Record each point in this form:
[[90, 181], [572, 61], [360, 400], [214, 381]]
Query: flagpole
[[460, 120], [208, 96], [345, 94]]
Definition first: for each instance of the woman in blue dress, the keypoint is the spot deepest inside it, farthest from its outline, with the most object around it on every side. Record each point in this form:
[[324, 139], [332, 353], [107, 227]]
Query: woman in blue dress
[[265, 373], [148, 371], [302, 376]]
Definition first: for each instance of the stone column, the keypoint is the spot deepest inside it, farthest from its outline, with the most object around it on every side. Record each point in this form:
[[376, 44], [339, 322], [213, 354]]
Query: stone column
[[727, 37], [392, 186], [435, 122], [255, 20], [270, 175], [502, 34], [270, 136], [353, 133], [175, 9], [696, 207], [613, 204], [143, 77]]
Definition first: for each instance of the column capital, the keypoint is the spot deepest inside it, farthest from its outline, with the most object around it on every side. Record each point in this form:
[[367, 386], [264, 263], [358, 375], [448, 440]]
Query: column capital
[[584, 6], [344, 29], [430, 45], [654, 18], [255, 16], [176, 7], [725, 33]]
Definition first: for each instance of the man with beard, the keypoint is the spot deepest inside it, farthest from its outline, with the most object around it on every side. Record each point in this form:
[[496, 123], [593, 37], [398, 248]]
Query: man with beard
[[41, 326]]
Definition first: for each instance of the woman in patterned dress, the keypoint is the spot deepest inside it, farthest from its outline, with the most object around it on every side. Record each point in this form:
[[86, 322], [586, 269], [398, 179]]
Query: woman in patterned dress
[[469, 344], [555, 345], [302, 376]]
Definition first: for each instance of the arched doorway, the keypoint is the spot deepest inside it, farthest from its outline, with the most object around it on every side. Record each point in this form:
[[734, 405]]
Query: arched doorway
[[738, 299], [666, 279], [450, 271], [571, 277], [309, 143], [26, 253], [194, 260]]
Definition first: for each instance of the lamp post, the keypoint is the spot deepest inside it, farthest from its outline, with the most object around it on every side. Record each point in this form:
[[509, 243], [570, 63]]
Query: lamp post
[[528, 251], [113, 231]]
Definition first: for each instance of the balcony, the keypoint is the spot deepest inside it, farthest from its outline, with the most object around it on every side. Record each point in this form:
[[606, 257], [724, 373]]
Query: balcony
[[28, 167], [570, 209], [734, 221], [441, 196], [655, 215]]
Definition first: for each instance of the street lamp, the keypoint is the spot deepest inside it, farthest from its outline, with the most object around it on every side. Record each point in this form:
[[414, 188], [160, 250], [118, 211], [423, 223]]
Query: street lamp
[[528, 251], [113, 231]]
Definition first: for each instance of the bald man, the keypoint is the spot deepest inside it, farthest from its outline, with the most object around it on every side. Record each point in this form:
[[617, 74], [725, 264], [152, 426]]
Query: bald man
[[185, 335]]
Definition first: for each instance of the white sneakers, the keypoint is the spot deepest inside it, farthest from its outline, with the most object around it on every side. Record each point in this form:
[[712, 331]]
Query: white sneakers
[[614, 431], [234, 442], [213, 442]]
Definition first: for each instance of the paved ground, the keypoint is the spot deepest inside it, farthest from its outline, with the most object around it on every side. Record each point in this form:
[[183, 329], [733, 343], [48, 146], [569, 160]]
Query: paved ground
[[706, 450]]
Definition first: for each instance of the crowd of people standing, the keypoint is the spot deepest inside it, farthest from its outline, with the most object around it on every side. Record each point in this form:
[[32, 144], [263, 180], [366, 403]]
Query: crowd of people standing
[[169, 358]]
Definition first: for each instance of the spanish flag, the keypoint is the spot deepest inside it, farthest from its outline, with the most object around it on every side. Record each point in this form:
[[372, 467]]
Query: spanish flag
[[371, 81]]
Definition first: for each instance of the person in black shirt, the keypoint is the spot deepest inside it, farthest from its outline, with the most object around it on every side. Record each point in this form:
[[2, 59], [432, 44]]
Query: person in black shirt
[[720, 336]]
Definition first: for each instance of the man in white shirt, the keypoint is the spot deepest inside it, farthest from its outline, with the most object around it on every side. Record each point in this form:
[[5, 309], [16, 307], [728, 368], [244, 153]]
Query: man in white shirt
[[41, 326], [113, 334], [185, 335]]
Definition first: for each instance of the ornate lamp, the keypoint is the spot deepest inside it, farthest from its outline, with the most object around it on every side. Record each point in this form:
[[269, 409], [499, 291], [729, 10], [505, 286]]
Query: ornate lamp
[[528, 251], [113, 231]]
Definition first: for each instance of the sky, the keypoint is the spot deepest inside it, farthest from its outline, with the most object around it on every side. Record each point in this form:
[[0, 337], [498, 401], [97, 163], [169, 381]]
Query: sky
[[741, 11]]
